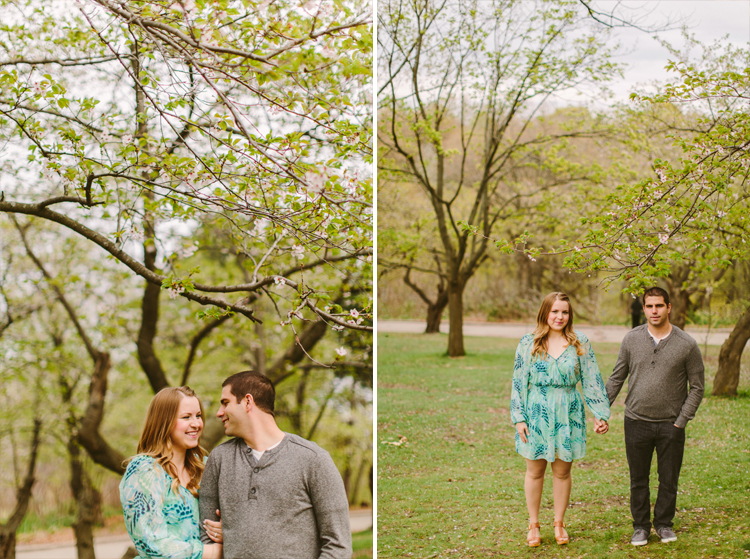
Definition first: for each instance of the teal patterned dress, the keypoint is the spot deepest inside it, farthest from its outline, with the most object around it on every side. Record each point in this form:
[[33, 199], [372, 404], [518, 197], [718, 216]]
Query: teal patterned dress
[[544, 396], [160, 523]]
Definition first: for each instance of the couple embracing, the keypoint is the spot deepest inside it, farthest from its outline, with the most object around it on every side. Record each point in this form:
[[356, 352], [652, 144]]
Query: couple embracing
[[264, 493], [664, 369]]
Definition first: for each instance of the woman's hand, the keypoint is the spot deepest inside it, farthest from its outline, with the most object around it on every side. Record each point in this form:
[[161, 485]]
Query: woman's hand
[[213, 528], [523, 431], [600, 426]]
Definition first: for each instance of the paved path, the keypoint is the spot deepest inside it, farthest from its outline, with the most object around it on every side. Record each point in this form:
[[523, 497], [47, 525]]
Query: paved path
[[613, 334], [114, 547]]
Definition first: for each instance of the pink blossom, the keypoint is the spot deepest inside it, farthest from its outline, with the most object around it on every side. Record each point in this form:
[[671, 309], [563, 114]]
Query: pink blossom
[[315, 181], [298, 251]]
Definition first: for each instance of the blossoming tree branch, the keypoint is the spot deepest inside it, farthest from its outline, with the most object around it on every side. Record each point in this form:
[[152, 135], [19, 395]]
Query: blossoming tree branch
[[133, 123]]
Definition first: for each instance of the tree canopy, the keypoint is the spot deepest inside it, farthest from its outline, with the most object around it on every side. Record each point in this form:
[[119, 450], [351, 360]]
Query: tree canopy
[[185, 192]]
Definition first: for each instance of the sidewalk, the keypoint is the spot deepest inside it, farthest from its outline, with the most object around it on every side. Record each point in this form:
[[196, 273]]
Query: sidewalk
[[114, 547], [612, 334]]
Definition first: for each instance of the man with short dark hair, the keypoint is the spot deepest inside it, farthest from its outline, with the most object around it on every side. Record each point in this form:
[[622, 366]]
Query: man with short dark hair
[[280, 496], [660, 361]]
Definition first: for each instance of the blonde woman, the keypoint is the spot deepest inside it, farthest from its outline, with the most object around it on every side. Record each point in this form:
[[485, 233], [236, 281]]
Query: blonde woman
[[159, 491], [547, 410]]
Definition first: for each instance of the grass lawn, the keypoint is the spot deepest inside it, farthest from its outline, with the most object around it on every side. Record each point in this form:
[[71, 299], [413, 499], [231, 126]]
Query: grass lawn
[[362, 544], [453, 487]]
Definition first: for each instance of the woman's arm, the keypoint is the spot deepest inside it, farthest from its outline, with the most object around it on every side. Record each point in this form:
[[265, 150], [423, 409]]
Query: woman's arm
[[593, 387], [143, 491], [212, 551], [520, 388]]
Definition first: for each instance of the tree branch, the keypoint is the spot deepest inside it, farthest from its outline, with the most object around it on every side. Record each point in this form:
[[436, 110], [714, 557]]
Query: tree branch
[[40, 211]]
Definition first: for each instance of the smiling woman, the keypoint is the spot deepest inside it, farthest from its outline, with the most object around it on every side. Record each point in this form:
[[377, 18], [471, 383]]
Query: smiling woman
[[548, 410], [160, 487]]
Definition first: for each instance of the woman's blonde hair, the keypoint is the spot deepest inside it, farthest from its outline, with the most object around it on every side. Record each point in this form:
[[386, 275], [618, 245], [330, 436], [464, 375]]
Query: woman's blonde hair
[[541, 333], [156, 439]]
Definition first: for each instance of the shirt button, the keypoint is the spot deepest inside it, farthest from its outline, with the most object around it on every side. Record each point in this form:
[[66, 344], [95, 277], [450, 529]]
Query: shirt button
[[256, 470], [653, 362], [253, 490]]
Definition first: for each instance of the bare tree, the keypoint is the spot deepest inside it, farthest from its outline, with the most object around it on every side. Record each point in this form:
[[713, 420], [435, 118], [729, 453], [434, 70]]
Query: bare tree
[[487, 70], [23, 496]]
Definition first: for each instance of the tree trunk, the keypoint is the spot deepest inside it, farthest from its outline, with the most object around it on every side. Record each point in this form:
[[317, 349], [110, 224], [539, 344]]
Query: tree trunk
[[150, 316], [23, 496], [88, 430], [680, 299], [213, 432], [7, 543], [679, 288], [456, 319], [435, 312], [728, 375], [434, 308], [357, 480], [299, 350], [301, 392], [347, 478], [260, 349], [87, 500]]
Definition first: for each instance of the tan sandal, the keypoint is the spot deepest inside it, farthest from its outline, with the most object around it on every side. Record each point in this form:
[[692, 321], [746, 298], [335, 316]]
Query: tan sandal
[[532, 540], [563, 539]]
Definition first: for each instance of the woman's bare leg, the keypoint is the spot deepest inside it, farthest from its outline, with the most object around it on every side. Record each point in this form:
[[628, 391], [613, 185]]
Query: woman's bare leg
[[561, 483], [533, 485]]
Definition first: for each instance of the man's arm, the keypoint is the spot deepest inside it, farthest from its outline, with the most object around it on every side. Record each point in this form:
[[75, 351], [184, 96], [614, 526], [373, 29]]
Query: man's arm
[[331, 508], [695, 374], [619, 373], [209, 494]]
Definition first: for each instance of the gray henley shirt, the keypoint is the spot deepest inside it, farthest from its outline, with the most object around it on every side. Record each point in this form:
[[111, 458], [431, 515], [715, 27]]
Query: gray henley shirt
[[658, 376], [289, 505]]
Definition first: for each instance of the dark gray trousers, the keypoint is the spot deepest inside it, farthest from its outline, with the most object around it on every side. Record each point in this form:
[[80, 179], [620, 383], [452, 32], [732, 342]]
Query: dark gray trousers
[[641, 439]]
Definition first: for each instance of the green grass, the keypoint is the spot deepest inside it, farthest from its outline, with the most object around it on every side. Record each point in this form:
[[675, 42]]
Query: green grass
[[54, 521], [454, 486], [51, 522], [362, 544]]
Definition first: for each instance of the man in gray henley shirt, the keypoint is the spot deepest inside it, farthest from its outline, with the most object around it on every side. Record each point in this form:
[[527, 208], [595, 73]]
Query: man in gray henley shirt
[[280, 496], [660, 361]]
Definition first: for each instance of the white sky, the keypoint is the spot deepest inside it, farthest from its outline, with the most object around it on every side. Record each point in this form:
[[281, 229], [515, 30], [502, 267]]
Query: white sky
[[707, 20]]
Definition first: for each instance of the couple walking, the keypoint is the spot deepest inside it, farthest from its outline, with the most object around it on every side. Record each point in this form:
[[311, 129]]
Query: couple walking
[[262, 494], [658, 359]]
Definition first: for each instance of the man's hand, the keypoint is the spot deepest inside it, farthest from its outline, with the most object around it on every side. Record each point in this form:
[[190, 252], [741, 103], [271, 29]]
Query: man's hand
[[600, 426], [523, 431]]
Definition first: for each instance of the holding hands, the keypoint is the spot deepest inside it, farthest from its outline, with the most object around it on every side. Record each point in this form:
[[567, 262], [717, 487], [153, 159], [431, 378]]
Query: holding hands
[[600, 426]]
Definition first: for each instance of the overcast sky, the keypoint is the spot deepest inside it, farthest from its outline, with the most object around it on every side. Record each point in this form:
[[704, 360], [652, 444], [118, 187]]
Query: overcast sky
[[708, 20]]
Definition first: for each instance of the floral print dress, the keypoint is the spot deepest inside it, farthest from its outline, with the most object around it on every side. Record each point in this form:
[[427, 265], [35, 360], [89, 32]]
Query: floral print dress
[[160, 523], [544, 396]]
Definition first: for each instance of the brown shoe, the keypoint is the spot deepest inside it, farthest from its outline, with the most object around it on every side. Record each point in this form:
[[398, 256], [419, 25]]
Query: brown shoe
[[563, 538], [534, 541]]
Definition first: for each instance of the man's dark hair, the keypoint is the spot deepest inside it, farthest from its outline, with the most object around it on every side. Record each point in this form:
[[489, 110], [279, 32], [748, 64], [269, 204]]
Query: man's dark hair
[[656, 292], [258, 386]]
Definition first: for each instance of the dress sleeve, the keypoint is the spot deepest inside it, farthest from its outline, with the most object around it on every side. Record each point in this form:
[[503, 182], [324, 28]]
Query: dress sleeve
[[520, 389], [593, 385], [142, 494]]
